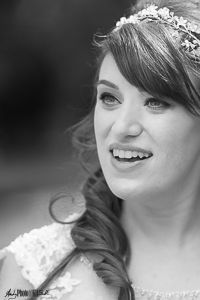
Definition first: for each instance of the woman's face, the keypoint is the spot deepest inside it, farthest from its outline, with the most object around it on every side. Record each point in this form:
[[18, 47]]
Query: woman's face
[[147, 147]]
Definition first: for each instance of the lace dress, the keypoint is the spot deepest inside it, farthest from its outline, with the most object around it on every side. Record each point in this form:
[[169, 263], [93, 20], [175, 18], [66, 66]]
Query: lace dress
[[40, 251]]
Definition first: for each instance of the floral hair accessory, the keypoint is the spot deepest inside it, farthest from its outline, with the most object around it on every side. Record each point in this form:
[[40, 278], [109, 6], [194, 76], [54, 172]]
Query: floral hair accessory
[[163, 15]]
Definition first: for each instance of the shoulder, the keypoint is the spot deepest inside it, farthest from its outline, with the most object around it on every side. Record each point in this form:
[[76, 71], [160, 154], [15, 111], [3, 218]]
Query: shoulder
[[91, 287], [28, 260]]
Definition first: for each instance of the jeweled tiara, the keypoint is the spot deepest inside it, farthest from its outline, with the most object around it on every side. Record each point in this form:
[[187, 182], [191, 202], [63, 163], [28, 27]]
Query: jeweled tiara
[[163, 15]]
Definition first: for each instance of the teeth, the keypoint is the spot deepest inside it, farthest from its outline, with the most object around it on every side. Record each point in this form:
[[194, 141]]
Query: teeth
[[115, 152], [141, 154], [122, 154], [134, 153], [129, 154]]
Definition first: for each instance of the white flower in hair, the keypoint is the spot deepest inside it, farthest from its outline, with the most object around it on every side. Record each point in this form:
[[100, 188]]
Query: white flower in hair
[[186, 43], [133, 19], [179, 24], [182, 22], [150, 10], [192, 26], [164, 11]]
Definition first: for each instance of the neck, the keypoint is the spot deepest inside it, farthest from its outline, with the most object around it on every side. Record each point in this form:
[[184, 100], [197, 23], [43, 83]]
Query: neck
[[164, 222], [164, 236]]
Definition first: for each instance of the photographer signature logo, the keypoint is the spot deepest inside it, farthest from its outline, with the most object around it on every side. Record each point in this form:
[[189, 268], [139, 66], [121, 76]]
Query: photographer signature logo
[[24, 293]]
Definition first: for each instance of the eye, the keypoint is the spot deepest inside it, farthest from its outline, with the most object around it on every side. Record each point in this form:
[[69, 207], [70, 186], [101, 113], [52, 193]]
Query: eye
[[108, 99], [156, 104]]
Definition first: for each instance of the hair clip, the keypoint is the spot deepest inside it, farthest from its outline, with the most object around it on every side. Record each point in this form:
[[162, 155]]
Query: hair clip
[[152, 13]]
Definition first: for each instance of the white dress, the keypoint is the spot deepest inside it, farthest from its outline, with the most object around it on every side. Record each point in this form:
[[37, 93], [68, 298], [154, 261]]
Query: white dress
[[38, 252]]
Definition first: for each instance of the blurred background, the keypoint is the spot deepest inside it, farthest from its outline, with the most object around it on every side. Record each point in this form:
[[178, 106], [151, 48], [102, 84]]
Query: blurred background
[[46, 75]]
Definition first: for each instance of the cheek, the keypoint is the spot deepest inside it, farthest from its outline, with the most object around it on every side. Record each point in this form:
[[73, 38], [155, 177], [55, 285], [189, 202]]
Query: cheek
[[101, 124], [97, 125], [99, 129], [179, 146]]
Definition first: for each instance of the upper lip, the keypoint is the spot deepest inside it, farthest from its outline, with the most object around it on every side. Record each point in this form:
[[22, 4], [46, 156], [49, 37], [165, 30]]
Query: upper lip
[[127, 147]]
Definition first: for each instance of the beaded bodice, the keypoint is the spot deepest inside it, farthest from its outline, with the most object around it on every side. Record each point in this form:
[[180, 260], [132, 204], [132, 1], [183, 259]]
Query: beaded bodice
[[41, 250]]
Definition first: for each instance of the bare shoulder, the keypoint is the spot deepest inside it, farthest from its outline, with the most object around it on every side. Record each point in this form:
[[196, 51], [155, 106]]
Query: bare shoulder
[[11, 275], [91, 286]]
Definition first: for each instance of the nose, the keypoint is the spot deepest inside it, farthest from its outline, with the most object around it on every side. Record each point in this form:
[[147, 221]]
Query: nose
[[128, 121]]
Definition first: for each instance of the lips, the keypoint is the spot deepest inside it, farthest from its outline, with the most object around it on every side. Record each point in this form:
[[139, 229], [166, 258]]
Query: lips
[[125, 156], [128, 165], [128, 153]]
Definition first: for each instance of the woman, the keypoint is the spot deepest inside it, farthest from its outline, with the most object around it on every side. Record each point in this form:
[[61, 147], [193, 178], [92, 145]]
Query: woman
[[140, 232]]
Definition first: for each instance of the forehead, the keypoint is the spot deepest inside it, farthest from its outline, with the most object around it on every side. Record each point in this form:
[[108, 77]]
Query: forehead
[[108, 67], [109, 71]]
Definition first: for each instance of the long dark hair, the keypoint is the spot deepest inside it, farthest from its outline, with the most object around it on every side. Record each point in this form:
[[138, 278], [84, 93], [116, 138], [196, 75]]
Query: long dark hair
[[150, 59]]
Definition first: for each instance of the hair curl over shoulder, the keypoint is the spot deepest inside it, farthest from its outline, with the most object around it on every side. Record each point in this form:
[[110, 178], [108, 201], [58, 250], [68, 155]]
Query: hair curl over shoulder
[[149, 58]]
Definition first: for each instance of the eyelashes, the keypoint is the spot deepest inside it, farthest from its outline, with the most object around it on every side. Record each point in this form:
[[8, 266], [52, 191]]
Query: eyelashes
[[109, 100], [153, 103]]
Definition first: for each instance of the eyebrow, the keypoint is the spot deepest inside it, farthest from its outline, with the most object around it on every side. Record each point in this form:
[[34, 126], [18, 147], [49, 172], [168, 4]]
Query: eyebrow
[[108, 83]]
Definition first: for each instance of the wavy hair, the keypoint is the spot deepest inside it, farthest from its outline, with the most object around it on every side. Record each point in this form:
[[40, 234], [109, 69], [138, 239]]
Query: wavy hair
[[150, 59]]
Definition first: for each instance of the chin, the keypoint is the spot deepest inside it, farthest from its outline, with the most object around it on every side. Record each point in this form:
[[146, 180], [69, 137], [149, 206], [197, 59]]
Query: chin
[[125, 190]]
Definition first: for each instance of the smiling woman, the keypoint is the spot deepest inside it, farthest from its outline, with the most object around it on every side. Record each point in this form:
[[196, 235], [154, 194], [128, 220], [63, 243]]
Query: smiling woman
[[128, 119], [139, 235]]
